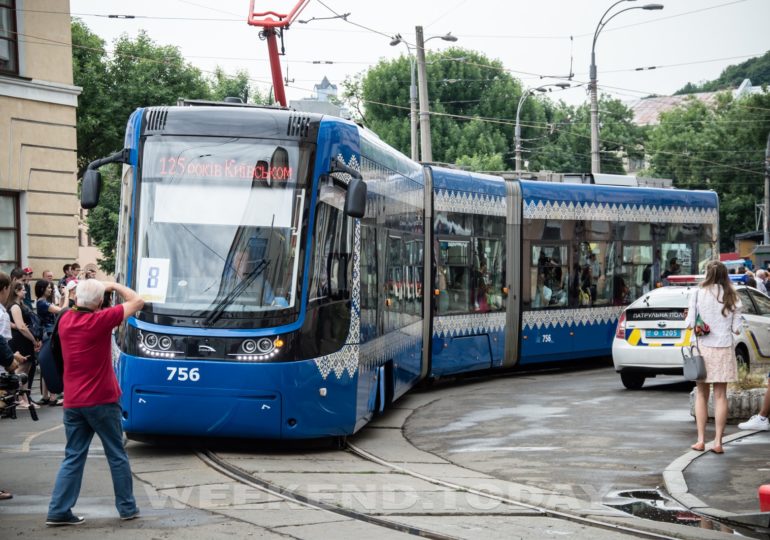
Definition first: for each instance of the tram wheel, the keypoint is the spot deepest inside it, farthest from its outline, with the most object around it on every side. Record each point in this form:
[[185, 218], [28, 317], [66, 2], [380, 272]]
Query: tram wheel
[[632, 381]]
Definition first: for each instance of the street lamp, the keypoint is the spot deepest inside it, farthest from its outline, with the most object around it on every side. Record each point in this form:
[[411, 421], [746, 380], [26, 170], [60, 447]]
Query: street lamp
[[595, 160], [517, 131], [427, 154]]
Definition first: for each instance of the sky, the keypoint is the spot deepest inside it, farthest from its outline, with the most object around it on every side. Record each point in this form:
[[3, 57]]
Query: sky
[[538, 41]]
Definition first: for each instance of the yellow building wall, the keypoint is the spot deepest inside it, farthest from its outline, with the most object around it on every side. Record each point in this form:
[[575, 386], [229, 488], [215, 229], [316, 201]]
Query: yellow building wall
[[47, 40], [38, 142]]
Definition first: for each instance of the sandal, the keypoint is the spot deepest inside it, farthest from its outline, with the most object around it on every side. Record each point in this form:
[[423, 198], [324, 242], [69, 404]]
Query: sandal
[[43, 401], [5, 495], [57, 403]]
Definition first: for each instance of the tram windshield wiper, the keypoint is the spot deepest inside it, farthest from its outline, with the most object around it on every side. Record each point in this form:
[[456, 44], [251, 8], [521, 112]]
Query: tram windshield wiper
[[219, 309]]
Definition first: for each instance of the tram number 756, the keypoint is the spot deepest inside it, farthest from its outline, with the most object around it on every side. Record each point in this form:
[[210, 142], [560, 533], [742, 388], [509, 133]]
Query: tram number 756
[[183, 374]]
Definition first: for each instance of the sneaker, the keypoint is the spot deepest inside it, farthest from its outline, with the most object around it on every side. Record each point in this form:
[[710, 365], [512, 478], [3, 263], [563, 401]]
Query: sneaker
[[755, 423], [130, 516], [72, 520]]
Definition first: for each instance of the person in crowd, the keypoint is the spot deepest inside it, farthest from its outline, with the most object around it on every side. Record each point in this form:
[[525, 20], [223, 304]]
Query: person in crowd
[[46, 312], [673, 268], [89, 272], [751, 282], [543, 293], [718, 305], [28, 301], [619, 291], [48, 276], [68, 299], [761, 277], [759, 422], [9, 360], [5, 329], [91, 398], [74, 272], [66, 270], [22, 339]]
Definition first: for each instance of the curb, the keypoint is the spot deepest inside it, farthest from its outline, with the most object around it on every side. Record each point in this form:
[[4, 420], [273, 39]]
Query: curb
[[676, 486]]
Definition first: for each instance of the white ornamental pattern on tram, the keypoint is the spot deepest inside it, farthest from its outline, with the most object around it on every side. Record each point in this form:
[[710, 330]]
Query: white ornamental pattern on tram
[[537, 209], [374, 353], [466, 325], [551, 318], [346, 359], [469, 203]]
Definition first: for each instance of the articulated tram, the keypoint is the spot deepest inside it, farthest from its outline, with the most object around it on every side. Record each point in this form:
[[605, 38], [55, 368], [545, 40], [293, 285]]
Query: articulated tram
[[301, 275]]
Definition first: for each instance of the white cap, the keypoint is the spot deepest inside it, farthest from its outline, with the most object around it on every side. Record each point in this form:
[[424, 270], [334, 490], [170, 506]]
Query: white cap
[[71, 285]]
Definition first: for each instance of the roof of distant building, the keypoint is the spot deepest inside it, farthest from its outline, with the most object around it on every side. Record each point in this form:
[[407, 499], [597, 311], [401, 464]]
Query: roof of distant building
[[325, 84], [647, 111]]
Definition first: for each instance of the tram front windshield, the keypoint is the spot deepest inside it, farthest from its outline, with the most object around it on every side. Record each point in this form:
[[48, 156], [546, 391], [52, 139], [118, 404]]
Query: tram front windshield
[[219, 226]]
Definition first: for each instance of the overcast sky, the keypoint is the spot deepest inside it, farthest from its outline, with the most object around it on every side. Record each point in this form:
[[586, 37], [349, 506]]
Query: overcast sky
[[688, 41]]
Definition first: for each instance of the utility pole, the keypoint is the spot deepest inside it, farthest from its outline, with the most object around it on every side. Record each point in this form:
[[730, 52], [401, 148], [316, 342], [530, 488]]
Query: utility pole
[[422, 81], [766, 239], [413, 109]]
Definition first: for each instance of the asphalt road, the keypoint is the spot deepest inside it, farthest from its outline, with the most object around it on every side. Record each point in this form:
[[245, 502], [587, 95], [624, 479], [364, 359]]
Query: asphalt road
[[578, 430]]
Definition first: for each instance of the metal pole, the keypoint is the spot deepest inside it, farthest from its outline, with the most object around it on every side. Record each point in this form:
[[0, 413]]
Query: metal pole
[[596, 166], [517, 131], [422, 81], [413, 108], [766, 239]]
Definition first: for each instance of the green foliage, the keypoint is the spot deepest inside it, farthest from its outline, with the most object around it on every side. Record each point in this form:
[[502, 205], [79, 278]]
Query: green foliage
[[474, 100], [482, 162], [719, 147], [756, 69], [238, 85]]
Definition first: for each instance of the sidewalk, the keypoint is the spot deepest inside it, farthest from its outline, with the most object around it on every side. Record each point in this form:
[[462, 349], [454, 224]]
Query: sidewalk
[[724, 486]]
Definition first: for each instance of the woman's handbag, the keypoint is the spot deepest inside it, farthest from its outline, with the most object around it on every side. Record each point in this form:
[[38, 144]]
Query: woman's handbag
[[694, 367], [701, 328]]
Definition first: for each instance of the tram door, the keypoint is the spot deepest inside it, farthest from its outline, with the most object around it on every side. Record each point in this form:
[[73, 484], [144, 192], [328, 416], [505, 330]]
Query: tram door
[[513, 260]]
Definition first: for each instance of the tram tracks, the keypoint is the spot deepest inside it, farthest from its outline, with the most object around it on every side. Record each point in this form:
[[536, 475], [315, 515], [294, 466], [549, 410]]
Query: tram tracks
[[408, 522]]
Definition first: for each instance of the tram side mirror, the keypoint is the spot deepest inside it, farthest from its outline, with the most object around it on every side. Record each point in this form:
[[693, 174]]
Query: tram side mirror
[[355, 199], [92, 180], [91, 189]]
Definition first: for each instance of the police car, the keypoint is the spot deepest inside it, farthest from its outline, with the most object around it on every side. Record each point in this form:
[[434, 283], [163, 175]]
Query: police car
[[651, 331]]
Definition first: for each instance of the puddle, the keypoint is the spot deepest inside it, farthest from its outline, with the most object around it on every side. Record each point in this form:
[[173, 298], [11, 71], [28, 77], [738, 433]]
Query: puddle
[[652, 504]]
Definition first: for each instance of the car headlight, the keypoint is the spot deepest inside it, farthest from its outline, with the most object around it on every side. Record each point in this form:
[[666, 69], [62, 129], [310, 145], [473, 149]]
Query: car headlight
[[156, 346], [259, 349]]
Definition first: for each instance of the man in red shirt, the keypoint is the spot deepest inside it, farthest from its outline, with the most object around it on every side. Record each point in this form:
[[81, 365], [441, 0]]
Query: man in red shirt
[[91, 400]]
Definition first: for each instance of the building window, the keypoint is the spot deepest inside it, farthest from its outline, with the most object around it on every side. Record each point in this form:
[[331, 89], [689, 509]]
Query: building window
[[9, 231], [9, 57]]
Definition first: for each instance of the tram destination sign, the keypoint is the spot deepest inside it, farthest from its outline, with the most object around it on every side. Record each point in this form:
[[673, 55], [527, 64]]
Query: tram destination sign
[[201, 167]]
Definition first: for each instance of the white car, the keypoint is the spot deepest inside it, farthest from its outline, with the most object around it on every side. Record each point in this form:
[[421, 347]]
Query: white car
[[651, 333]]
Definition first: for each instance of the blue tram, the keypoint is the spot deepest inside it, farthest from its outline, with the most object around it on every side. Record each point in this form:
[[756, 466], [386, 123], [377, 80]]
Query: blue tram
[[273, 313]]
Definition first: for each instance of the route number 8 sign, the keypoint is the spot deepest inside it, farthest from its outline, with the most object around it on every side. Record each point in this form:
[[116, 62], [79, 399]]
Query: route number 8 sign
[[153, 280]]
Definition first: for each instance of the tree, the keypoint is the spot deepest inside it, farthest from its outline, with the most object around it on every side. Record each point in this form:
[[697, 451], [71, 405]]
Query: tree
[[756, 69], [473, 101], [238, 85], [719, 147]]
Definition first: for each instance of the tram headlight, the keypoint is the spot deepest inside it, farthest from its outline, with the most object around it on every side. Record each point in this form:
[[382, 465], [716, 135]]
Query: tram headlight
[[154, 346], [258, 350]]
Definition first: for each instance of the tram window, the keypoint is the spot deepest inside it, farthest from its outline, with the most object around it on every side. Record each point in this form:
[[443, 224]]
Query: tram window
[[487, 275], [595, 263], [636, 272], [453, 223], [677, 259], [635, 232], [454, 258], [332, 255], [488, 226], [548, 277], [705, 254]]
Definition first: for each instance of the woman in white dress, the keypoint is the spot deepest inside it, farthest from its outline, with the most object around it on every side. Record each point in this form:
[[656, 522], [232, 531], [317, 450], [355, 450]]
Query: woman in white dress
[[719, 307]]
